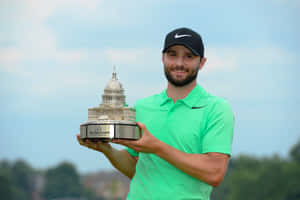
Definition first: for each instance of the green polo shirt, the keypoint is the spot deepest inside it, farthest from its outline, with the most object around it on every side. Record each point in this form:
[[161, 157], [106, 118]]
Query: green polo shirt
[[199, 123]]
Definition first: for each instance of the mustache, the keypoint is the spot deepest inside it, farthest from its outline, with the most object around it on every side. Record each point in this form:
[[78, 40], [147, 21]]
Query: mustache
[[182, 68]]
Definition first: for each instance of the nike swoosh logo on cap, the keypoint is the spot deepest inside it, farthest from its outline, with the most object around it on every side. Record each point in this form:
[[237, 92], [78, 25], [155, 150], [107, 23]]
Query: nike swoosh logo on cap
[[180, 36]]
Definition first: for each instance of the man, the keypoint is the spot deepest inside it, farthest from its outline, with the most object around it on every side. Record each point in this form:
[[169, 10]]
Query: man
[[186, 132]]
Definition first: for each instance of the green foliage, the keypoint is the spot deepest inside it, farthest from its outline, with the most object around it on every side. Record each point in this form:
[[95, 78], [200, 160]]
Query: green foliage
[[23, 175], [62, 181], [292, 173], [16, 180], [247, 178], [250, 178], [295, 152], [5, 187]]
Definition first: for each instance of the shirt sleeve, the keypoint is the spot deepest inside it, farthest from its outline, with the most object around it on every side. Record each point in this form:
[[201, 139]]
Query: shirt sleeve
[[219, 129], [132, 152]]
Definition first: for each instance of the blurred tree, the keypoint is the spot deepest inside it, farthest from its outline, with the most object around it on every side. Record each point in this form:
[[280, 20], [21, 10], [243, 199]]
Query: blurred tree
[[6, 187], [295, 152], [272, 179], [247, 177], [62, 181], [23, 176], [292, 173], [15, 180], [240, 180]]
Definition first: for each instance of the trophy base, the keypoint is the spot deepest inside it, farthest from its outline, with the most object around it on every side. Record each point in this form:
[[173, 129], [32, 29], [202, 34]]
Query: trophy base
[[107, 130]]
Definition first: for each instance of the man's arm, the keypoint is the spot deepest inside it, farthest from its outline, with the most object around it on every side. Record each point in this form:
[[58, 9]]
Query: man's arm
[[209, 167], [120, 159]]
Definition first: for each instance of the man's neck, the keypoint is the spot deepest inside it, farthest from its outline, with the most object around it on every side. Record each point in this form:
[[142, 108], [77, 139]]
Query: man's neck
[[176, 93]]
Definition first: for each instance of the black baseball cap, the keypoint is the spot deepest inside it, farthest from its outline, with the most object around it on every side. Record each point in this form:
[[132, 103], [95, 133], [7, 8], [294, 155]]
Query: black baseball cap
[[186, 37]]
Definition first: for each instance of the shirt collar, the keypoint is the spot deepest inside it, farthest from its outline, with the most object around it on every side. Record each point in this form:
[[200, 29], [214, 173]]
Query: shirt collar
[[195, 98], [164, 97]]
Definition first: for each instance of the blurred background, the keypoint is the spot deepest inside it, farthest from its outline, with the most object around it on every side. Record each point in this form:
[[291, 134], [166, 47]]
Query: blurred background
[[57, 56]]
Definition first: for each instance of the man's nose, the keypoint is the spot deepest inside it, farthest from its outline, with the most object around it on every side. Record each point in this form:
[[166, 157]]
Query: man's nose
[[179, 61]]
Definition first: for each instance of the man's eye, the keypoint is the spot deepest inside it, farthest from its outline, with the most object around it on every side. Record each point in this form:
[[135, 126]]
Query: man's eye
[[172, 54]]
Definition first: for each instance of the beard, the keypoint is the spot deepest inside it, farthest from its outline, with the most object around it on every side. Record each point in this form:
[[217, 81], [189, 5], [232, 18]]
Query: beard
[[192, 75]]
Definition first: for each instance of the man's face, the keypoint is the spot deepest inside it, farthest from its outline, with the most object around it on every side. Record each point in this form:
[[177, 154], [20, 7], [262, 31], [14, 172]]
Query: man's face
[[181, 66]]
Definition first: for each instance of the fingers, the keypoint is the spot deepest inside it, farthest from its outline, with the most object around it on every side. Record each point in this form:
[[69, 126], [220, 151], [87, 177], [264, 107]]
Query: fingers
[[142, 129], [86, 143], [81, 142], [127, 143], [123, 142], [131, 144], [141, 125], [95, 145]]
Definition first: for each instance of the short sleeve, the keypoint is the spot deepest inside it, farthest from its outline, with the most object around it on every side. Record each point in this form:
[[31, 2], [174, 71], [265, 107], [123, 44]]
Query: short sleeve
[[132, 152], [218, 134]]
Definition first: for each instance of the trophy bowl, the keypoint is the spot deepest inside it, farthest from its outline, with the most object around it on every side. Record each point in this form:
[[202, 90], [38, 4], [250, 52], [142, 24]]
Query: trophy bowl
[[106, 130]]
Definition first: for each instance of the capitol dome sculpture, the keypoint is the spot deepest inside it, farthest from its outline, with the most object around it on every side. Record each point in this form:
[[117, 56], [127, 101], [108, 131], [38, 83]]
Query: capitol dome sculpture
[[113, 106], [113, 92]]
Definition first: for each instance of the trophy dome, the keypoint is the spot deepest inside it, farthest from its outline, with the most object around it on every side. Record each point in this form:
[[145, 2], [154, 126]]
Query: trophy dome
[[114, 92], [114, 83]]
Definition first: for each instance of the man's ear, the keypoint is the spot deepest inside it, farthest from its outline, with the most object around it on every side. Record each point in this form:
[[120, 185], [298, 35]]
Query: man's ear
[[202, 62]]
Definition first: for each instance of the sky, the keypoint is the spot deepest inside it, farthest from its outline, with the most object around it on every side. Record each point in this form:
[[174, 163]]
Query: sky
[[57, 56]]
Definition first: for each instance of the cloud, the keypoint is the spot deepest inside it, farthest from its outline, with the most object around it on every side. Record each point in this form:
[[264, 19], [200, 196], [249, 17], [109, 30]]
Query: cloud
[[220, 59], [38, 59], [48, 79], [34, 40], [43, 9], [63, 83], [92, 11], [133, 56], [266, 55], [261, 74], [129, 56]]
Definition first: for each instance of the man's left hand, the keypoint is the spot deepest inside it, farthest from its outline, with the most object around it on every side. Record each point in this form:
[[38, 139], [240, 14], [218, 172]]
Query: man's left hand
[[147, 143]]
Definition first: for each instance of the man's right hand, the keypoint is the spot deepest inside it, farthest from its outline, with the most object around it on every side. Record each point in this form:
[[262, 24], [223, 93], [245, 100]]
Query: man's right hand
[[97, 146], [120, 159]]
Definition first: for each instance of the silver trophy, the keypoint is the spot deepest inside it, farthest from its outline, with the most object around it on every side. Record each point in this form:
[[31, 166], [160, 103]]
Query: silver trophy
[[113, 119]]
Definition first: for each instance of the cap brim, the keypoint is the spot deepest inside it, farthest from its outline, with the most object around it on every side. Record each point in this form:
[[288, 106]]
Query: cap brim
[[183, 44]]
